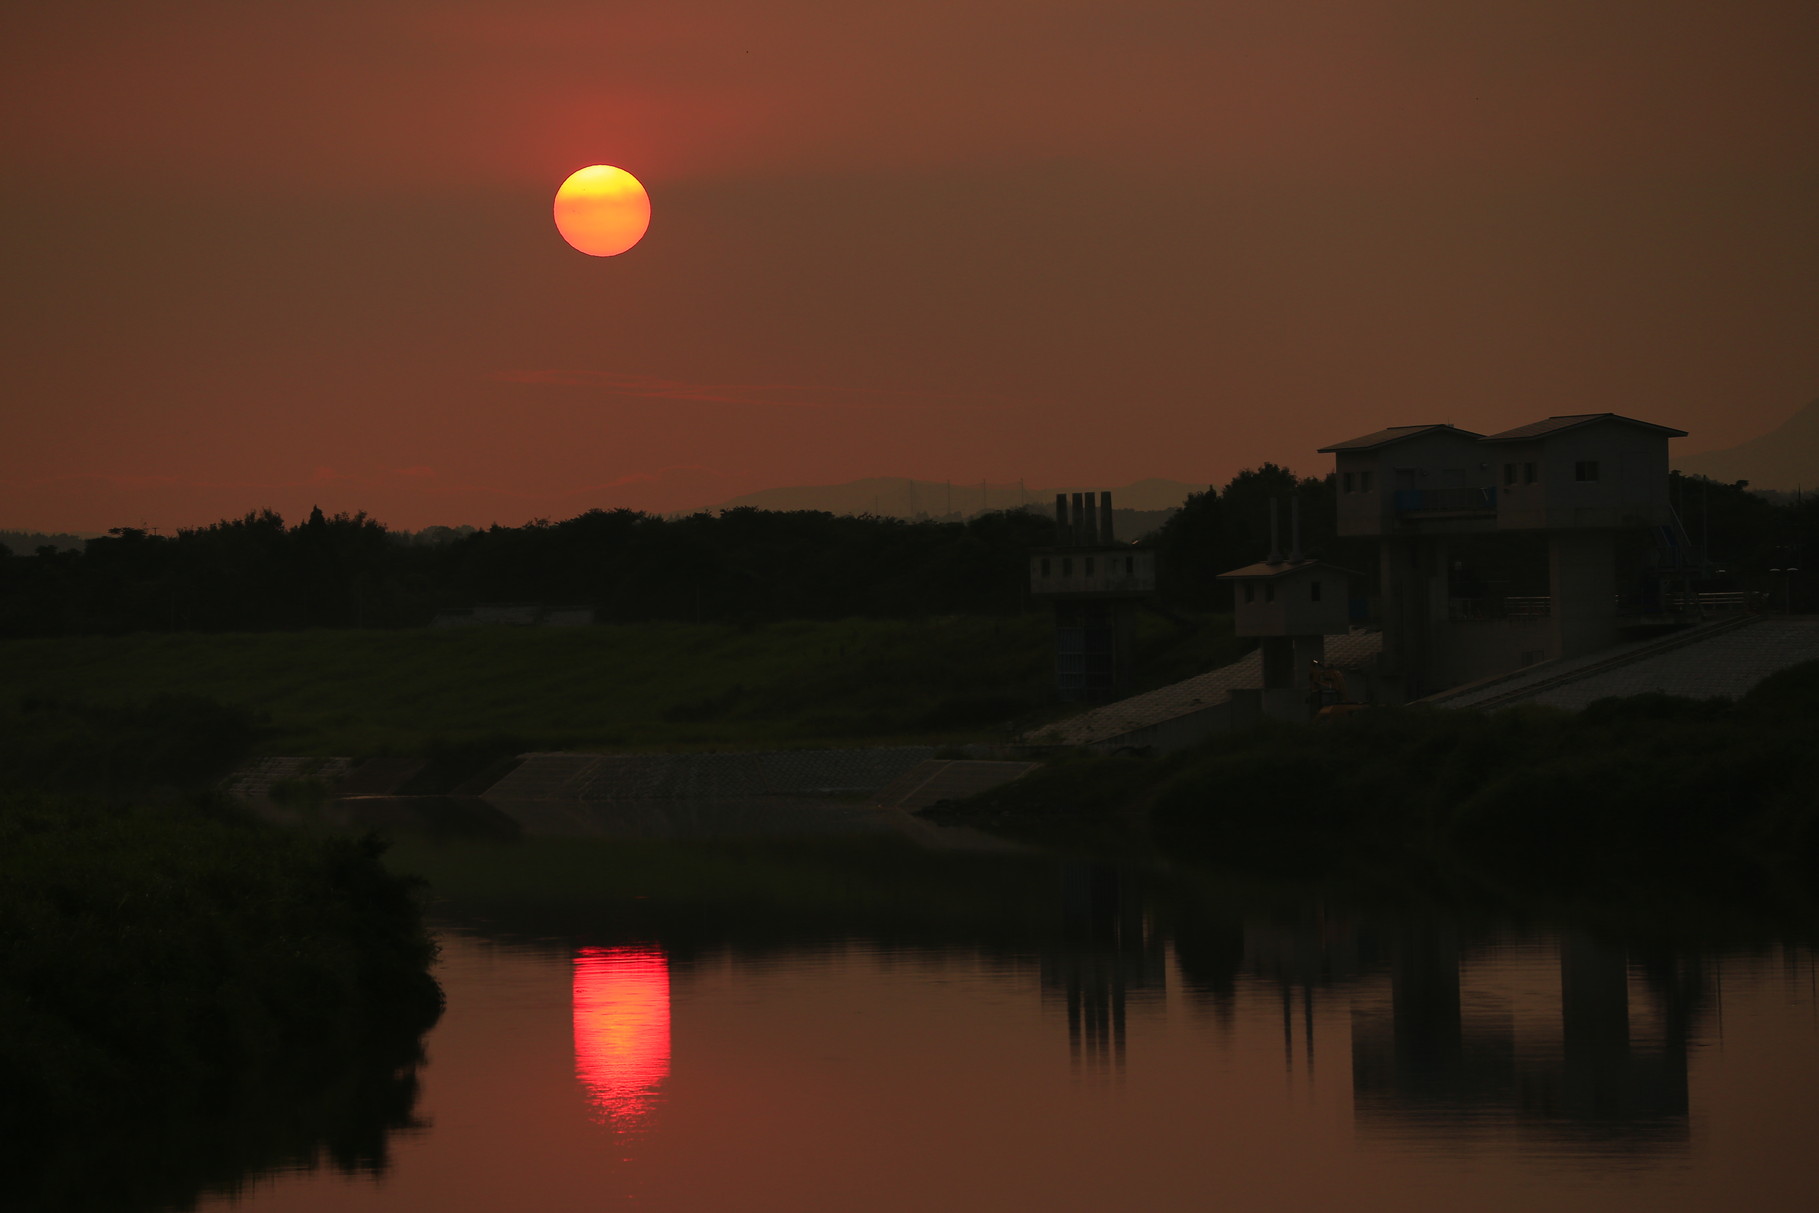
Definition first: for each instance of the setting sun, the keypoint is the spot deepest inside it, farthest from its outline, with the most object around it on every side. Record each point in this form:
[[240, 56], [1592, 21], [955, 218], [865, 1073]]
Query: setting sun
[[602, 210]]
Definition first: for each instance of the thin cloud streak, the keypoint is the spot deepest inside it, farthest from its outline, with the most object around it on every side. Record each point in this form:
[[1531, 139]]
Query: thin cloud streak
[[425, 481], [652, 388], [781, 395]]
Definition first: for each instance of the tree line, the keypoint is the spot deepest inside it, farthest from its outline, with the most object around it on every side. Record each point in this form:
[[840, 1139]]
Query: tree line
[[741, 565], [347, 570]]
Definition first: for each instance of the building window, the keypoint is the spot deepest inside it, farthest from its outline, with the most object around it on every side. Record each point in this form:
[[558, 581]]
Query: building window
[[1269, 591], [1509, 474], [1345, 481], [1089, 566], [1129, 569], [1250, 592], [1313, 591], [1364, 482], [1528, 473], [1045, 566], [1585, 469], [1067, 566]]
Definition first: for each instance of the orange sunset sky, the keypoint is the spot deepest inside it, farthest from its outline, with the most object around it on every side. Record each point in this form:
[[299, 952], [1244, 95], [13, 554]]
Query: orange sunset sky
[[284, 255]]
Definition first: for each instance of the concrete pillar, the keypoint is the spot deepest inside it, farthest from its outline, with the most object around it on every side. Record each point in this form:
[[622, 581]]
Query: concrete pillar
[[1278, 662], [1582, 581], [1308, 650], [1284, 679], [1063, 533], [1083, 526], [1105, 518], [1438, 558], [1405, 574]]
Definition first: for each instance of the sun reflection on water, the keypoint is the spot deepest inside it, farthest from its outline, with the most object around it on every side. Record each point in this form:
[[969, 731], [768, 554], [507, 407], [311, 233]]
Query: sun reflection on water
[[622, 1031]]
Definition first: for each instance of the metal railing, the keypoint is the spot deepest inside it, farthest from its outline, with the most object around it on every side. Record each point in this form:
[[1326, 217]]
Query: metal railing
[[1722, 603], [1455, 500], [1702, 606], [1491, 610]]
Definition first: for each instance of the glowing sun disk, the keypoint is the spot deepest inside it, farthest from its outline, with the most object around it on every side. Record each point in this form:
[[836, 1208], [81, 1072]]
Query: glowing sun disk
[[602, 210]]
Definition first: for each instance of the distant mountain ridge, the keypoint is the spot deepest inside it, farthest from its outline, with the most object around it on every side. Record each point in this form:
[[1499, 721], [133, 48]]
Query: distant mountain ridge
[[1786, 458], [901, 497], [27, 543]]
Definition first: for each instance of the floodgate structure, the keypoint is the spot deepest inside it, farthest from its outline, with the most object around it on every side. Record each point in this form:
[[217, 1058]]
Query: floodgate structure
[[1541, 563]]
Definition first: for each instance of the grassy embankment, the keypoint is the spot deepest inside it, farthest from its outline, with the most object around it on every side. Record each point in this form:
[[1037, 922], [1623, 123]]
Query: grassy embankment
[[1651, 797], [609, 687], [166, 961]]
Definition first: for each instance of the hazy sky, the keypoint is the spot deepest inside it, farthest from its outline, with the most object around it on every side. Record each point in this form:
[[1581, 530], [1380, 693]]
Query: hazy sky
[[276, 255]]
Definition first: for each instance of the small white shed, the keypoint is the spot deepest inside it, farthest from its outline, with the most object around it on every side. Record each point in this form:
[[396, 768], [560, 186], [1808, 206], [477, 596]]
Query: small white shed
[[1290, 598]]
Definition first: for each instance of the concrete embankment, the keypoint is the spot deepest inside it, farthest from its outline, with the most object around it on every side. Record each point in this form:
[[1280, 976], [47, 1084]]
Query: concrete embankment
[[606, 778], [644, 795], [1723, 659]]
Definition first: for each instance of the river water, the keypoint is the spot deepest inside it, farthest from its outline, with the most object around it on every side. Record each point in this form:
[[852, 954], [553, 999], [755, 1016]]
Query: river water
[[668, 1026]]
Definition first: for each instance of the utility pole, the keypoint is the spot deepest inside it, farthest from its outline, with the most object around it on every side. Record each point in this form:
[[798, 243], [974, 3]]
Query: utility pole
[[1705, 523]]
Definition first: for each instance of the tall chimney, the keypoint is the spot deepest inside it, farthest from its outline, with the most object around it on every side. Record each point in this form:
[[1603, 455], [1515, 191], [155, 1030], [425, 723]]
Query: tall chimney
[[1083, 523], [1275, 556], [1063, 536], [1105, 518], [1294, 529]]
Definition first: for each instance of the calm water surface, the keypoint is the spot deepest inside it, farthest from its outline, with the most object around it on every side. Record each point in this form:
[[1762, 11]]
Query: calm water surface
[[1131, 1057]]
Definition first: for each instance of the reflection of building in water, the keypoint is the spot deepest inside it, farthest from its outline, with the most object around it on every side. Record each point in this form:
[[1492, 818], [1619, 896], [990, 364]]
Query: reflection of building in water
[[1106, 955], [1452, 1050], [621, 1007], [1314, 953], [1298, 959]]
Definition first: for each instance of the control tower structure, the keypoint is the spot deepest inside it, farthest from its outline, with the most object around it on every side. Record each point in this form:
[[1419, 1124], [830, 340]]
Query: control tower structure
[[1094, 584]]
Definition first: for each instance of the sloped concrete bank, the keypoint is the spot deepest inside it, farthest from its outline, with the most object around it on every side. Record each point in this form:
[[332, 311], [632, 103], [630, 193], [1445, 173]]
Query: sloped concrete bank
[[1725, 659], [634, 795], [607, 778]]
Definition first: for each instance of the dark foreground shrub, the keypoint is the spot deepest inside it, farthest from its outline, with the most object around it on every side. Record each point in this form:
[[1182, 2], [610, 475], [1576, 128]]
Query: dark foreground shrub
[[1649, 788], [170, 953]]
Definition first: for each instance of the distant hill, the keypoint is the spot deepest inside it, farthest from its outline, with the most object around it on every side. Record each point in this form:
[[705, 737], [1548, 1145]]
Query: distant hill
[[1785, 458], [900, 497], [27, 543]]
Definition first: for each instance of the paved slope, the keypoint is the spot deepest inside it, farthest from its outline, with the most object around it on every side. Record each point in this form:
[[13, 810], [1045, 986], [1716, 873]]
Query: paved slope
[[940, 779], [1724, 659]]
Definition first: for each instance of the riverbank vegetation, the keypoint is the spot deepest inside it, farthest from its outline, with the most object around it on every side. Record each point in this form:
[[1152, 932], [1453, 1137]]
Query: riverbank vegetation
[[166, 960], [1640, 798], [632, 686]]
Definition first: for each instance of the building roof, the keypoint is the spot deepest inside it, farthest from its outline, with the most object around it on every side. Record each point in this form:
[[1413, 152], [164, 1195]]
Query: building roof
[[1265, 569], [1572, 421], [1395, 433]]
